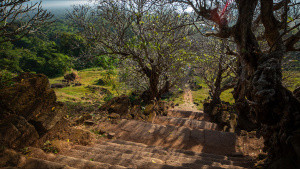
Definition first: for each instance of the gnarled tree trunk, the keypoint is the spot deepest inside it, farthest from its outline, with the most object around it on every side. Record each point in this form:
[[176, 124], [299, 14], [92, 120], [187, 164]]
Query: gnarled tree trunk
[[260, 81]]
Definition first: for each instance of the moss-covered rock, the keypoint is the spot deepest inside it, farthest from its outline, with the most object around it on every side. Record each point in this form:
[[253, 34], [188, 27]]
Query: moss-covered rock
[[151, 117], [136, 111], [149, 109], [223, 114]]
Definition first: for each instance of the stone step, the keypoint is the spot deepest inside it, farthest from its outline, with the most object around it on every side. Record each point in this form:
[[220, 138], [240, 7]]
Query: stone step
[[35, 163], [116, 142], [85, 163], [162, 157], [135, 160], [190, 123], [63, 160], [169, 153], [197, 115], [198, 140]]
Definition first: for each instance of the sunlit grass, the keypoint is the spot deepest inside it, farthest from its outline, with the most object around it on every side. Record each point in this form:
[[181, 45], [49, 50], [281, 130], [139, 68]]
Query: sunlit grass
[[201, 94], [74, 94], [295, 80], [176, 98], [226, 96]]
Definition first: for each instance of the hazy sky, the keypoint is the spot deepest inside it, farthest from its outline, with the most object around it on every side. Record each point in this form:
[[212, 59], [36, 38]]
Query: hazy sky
[[60, 3]]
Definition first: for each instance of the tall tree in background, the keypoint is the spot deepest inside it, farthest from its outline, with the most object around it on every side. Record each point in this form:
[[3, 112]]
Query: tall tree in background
[[217, 69], [20, 17], [147, 32], [260, 70]]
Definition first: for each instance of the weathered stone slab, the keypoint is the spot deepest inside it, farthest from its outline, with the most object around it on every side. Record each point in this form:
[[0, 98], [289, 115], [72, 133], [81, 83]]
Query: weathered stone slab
[[16, 132], [199, 140], [191, 123]]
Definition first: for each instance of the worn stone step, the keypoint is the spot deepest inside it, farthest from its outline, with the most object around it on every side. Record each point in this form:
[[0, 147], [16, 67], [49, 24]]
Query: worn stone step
[[197, 115], [85, 163], [132, 152], [185, 122], [35, 163], [198, 140], [117, 142], [136, 160], [70, 161], [120, 159], [171, 154]]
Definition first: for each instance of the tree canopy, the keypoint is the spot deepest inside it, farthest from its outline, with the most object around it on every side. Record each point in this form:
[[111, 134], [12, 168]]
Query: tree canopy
[[152, 34], [17, 19]]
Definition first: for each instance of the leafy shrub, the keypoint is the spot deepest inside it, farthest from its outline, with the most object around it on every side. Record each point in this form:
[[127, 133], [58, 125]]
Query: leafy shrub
[[6, 78], [108, 97], [48, 147]]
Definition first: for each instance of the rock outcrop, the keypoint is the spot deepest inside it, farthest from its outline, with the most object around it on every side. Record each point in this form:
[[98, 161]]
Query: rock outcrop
[[222, 114], [71, 77], [58, 85], [16, 132], [136, 111], [119, 105], [28, 110]]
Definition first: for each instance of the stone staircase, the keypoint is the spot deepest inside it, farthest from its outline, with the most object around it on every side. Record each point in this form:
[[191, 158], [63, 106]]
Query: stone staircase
[[181, 140]]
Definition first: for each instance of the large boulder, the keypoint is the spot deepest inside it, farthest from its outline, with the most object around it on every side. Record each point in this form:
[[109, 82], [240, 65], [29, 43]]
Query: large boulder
[[28, 97], [58, 85], [32, 98], [46, 120], [73, 76], [163, 107], [223, 114], [150, 108], [16, 132], [117, 105], [136, 111], [9, 157]]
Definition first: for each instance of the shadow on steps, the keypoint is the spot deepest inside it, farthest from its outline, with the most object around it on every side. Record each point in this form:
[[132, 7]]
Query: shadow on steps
[[198, 140]]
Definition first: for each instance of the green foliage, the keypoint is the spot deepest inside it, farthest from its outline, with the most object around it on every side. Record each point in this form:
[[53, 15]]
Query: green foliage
[[132, 98], [48, 147], [25, 150], [51, 52], [9, 58], [40, 57], [108, 97], [6, 78], [71, 44]]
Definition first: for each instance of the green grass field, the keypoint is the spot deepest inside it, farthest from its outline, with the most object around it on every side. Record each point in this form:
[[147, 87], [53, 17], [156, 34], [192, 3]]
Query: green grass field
[[202, 94], [81, 93]]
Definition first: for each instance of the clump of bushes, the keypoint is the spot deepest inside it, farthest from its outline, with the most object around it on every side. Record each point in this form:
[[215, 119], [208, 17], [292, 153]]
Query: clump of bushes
[[6, 78]]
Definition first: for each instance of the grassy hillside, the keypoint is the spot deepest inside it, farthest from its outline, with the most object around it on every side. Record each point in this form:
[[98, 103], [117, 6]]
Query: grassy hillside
[[200, 95], [88, 77]]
